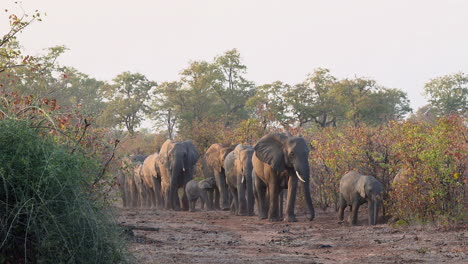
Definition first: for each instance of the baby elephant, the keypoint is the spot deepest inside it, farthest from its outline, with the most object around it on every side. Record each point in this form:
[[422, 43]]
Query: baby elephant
[[356, 189], [195, 190]]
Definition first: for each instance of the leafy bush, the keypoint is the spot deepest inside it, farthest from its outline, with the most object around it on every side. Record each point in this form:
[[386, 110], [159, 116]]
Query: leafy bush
[[47, 210], [434, 154], [435, 159]]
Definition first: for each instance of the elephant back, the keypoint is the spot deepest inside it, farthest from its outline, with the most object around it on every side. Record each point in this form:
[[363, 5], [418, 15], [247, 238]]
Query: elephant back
[[402, 177], [164, 151], [216, 154], [149, 170]]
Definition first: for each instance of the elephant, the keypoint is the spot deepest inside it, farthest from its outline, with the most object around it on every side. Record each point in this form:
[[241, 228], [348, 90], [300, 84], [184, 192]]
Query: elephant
[[151, 176], [122, 183], [238, 169], [195, 190], [402, 178], [128, 182], [176, 162], [140, 186], [357, 189], [214, 167], [279, 161]]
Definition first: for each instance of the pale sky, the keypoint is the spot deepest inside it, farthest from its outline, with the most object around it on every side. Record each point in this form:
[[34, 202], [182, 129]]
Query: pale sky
[[399, 43]]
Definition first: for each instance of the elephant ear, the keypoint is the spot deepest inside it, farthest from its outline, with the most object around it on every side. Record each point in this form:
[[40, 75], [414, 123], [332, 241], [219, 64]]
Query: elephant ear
[[192, 153], [270, 150], [206, 184], [361, 186], [212, 157]]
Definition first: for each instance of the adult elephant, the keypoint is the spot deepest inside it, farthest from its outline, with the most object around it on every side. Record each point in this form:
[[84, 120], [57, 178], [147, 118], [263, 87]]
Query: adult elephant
[[214, 167], [128, 179], [177, 162], [238, 169], [357, 189], [123, 187], [140, 187], [279, 161], [151, 175]]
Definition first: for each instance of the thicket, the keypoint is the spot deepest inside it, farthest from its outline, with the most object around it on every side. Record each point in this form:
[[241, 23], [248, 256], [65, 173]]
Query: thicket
[[53, 206], [434, 157]]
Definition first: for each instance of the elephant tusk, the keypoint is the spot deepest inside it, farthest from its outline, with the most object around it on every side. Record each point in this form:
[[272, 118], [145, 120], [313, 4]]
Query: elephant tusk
[[183, 169], [299, 176], [243, 179]]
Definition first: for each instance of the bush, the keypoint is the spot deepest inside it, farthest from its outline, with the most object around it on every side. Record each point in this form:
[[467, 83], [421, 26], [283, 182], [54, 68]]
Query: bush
[[48, 212], [433, 154], [435, 159]]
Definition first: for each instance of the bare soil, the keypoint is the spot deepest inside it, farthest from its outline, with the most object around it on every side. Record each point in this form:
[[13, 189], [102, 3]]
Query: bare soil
[[219, 237]]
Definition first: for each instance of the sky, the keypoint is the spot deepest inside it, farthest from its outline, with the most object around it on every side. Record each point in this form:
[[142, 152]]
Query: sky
[[399, 43]]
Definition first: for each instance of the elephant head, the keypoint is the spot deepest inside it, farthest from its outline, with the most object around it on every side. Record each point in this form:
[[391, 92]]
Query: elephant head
[[370, 189], [287, 154], [214, 158], [208, 183]]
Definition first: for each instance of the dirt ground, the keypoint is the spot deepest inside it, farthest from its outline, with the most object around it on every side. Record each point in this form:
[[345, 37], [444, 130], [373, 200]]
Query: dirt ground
[[219, 237]]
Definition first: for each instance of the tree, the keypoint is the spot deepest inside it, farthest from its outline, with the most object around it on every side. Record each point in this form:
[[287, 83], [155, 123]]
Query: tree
[[127, 100], [167, 105], [269, 104], [231, 86], [80, 90], [448, 94], [10, 52], [363, 101], [311, 100], [386, 104]]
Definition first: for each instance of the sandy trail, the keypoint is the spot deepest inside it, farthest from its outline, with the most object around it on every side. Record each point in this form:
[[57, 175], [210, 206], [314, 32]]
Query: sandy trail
[[218, 237]]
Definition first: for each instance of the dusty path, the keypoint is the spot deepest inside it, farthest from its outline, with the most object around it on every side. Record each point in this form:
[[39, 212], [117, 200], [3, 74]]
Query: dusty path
[[218, 237]]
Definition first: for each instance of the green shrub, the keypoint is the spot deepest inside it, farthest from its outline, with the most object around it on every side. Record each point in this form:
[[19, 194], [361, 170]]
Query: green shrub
[[48, 213]]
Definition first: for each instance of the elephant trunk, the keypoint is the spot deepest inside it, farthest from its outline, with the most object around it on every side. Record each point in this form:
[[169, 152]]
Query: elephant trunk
[[373, 210], [250, 195], [220, 178], [308, 200], [303, 175], [176, 182]]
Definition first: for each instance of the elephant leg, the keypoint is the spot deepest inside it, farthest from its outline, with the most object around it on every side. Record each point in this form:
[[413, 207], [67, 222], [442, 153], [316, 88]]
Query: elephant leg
[[273, 190], [281, 203], [185, 203], [209, 202], [154, 201], [203, 197], [260, 193], [291, 199], [202, 204], [355, 211], [192, 205], [135, 201], [250, 197], [168, 199], [342, 207], [175, 200], [223, 190], [216, 199], [125, 197], [240, 195], [158, 194], [234, 202]]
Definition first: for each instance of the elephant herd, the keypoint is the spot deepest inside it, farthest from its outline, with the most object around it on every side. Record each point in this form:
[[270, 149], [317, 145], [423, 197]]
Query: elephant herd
[[237, 178]]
